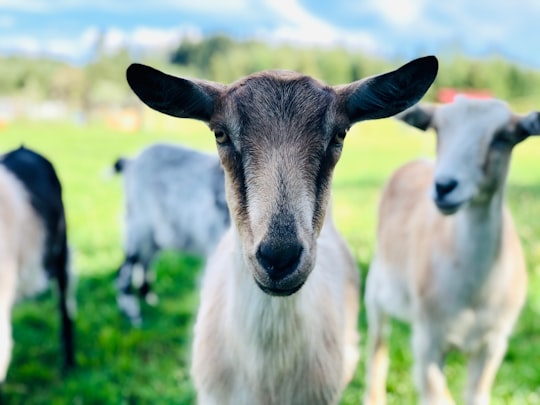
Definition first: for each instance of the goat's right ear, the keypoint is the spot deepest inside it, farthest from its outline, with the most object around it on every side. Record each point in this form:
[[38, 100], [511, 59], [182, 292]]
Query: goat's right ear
[[390, 93], [530, 124], [418, 116], [173, 95]]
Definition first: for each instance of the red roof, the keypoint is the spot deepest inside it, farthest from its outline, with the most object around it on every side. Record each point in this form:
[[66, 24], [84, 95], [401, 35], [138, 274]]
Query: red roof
[[447, 94]]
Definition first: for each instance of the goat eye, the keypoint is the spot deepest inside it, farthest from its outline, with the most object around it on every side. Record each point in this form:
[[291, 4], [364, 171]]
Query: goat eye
[[221, 137], [339, 137]]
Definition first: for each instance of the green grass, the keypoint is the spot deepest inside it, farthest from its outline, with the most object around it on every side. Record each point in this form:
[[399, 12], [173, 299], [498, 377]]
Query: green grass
[[122, 365]]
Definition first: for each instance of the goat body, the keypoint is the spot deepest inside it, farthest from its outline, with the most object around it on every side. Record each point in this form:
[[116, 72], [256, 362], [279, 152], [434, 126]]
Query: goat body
[[33, 244], [252, 348], [280, 296], [453, 266], [174, 199]]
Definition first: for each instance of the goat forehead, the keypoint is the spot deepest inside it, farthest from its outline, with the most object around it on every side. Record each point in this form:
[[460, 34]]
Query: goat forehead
[[280, 104], [471, 119]]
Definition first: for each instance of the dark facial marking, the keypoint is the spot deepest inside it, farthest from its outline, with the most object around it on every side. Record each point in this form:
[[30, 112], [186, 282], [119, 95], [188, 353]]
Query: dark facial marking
[[233, 163], [324, 175]]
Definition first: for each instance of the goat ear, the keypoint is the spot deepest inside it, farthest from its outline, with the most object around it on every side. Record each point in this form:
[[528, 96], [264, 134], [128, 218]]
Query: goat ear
[[173, 95], [418, 116], [529, 125], [387, 94]]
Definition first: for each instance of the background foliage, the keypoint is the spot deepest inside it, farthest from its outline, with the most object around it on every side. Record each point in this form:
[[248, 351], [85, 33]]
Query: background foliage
[[223, 59]]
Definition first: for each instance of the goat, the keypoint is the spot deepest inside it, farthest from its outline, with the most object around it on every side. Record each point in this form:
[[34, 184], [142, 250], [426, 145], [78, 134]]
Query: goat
[[174, 199], [33, 245], [277, 322], [451, 265]]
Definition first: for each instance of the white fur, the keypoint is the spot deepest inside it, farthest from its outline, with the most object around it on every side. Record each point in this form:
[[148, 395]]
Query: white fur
[[241, 363], [21, 248]]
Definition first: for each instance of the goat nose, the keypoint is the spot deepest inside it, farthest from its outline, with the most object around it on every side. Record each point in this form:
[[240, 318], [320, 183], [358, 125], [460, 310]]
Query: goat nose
[[444, 187], [279, 258]]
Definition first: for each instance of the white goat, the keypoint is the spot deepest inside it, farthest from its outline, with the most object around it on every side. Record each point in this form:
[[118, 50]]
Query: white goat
[[33, 244], [277, 323], [452, 265], [174, 199]]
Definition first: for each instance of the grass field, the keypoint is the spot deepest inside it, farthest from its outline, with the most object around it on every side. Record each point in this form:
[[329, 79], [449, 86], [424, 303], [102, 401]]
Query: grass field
[[122, 365]]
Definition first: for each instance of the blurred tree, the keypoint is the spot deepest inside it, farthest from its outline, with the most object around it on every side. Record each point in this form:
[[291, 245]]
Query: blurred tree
[[335, 66], [106, 80], [68, 84], [27, 76], [201, 53], [220, 58]]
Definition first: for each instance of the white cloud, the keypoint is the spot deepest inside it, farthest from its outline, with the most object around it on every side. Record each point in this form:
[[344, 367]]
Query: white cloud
[[206, 6], [305, 36], [392, 27], [399, 12], [300, 26], [114, 40], [67, 48], [147, 37], [25, 44], [203, 6], [26, 5], [80, 47], [89, 37]]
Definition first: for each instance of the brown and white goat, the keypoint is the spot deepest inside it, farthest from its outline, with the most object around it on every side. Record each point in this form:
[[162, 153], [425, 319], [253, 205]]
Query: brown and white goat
[[448, 259], [277, 322]]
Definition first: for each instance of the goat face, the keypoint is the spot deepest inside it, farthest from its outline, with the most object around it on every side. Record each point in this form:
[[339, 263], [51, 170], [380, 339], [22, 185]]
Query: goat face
[[279, 139], [475, 139], [279, 136]]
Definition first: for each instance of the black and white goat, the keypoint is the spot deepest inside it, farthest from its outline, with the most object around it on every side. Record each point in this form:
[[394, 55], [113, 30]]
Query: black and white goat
[[174, 199], [33, 244]]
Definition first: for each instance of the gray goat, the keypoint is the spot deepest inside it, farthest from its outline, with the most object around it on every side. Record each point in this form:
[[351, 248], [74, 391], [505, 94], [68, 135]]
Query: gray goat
[[174, 199]]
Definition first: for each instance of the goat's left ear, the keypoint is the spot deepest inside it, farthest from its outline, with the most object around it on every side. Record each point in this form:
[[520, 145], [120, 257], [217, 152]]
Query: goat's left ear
[[529, 125], [172, 95], [390, 93]]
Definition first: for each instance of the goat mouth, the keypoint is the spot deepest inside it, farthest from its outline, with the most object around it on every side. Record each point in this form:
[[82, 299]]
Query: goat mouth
[[279, 292], [447, 208]]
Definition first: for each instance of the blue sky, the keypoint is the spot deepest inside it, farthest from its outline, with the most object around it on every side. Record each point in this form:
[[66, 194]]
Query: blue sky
[[68, 29]]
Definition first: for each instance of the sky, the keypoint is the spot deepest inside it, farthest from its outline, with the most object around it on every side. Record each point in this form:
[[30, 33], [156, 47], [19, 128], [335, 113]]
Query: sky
[[68, 29]]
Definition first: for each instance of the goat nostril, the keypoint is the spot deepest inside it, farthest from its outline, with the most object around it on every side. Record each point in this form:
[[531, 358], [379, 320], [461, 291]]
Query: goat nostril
[[442, 188], [279, 258]]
